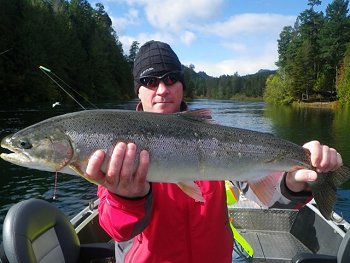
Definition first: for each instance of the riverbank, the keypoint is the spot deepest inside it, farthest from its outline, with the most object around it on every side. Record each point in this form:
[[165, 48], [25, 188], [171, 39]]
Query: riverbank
[[318, 104]]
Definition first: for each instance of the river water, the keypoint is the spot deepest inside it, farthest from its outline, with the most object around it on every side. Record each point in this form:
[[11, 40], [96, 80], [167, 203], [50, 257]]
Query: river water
[[73, 193]]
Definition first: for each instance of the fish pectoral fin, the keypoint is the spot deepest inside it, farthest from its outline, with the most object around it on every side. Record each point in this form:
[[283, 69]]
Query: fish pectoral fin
[[79, 172], [192, 190], [264, 188]]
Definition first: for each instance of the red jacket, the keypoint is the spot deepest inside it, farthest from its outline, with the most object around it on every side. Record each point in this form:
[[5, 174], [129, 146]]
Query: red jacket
[[170, 226]]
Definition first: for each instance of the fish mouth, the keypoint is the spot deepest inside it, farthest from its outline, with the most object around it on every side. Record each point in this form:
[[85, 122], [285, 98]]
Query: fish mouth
[[14, 156]]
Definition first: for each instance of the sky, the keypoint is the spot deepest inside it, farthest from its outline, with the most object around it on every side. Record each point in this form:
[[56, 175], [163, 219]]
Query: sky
[[219, 37]]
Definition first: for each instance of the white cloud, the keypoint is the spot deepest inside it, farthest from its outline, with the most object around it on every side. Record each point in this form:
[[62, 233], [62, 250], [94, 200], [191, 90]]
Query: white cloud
[[161, 36], [249, 24], [248, 42], [236, 46], [127, 2], [188, 37], [126, 43], [243, 64], [120, 23], [174, 15]]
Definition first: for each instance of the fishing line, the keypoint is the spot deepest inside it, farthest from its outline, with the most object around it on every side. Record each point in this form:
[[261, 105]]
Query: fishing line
[[46, 71], [5, 51], [55, 188]]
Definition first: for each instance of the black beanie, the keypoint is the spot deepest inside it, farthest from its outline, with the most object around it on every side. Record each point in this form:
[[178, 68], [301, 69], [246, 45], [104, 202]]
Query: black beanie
[[155, 58]]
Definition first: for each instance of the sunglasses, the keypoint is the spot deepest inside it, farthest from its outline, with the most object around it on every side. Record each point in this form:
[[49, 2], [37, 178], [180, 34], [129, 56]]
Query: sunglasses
[[169, 79]]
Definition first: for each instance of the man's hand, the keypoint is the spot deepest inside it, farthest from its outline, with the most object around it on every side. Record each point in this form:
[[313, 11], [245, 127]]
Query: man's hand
[[120, 177], [323, 158]]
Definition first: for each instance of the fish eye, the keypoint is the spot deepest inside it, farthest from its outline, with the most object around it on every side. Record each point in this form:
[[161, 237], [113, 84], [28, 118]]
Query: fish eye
[[25, 144]]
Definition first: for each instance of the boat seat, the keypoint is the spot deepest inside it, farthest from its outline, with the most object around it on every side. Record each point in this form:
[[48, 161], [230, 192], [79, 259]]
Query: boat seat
[[36, 231], [343, 255]]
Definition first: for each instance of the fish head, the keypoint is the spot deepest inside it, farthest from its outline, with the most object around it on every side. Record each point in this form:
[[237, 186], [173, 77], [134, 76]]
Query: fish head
[[47, 149]]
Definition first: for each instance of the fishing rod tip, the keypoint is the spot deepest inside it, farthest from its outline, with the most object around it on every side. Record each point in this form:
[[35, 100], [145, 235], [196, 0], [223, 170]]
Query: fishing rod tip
[[46, 69]]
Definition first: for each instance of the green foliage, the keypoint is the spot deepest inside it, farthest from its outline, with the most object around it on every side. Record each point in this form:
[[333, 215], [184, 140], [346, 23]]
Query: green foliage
[[71, 38], [200, 85], [284, 43], [343, 79], [311, 52], [134, 48], [277, 90]]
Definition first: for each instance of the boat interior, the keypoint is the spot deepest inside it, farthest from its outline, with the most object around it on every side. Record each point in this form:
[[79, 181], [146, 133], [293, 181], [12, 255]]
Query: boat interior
[[36, 231], [291, 235]]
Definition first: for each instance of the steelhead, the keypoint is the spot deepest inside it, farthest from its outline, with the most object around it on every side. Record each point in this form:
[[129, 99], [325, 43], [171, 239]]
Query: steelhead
[[183, 147]]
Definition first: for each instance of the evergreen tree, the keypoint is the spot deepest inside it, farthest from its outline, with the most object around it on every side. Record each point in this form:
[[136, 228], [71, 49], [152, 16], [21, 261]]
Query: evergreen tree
[[71, 38], [343, 78], [311, 23], [134, 48], [284, 42], [334, 37], [311, 51]]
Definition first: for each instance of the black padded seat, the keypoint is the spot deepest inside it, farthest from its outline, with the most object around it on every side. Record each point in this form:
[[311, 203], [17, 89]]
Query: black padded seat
[[36, 231]]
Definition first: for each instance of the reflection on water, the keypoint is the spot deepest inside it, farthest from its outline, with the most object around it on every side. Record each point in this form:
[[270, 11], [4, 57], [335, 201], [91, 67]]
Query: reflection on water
[[73, 193], [300, 125]]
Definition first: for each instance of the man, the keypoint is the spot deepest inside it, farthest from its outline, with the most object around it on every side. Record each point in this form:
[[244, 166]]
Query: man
[[157, 222]]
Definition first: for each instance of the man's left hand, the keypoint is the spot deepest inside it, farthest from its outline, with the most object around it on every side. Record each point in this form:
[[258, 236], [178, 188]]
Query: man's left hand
[[323, 158]]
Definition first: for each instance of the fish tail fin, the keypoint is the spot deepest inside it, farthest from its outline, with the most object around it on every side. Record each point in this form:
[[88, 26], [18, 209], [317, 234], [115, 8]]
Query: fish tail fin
[[325, 198], [324, 189]]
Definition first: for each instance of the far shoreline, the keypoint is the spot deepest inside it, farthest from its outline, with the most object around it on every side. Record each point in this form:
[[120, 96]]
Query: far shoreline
[[317, 104]]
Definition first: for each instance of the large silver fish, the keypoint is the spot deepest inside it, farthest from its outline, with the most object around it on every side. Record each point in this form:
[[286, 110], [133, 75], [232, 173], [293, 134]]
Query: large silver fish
[[182, 146]]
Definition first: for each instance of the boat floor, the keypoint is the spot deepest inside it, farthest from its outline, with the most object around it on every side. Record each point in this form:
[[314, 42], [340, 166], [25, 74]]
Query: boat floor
[[274, 246], [278, 235]]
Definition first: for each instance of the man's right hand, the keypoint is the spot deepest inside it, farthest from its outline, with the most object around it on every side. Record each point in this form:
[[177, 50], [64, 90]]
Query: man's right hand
[[120, 177]]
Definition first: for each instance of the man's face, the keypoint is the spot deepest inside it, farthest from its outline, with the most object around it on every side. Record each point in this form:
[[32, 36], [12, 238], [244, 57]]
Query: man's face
[[162, 98]]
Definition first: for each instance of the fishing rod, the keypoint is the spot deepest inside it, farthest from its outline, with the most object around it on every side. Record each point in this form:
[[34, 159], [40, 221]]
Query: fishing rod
[[47, 72]]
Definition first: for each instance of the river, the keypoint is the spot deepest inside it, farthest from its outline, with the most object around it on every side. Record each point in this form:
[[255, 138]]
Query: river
[[299, 125]]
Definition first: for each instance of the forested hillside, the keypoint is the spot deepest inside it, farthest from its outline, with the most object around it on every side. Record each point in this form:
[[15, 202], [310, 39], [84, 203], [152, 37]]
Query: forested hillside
[[77, 42], [314, 57], [226, 86], [74, 40]]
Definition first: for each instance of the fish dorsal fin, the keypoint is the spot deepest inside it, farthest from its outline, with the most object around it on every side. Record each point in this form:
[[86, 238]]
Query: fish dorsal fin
[[204, 115]]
